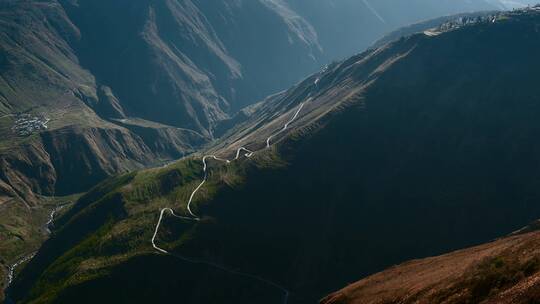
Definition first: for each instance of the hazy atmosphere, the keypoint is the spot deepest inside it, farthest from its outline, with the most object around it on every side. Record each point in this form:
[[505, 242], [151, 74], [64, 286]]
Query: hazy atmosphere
[[270, 151]]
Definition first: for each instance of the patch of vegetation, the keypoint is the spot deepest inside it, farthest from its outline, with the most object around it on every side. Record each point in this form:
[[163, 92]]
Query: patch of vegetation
[[94, 245], [69, 263], [496, 274], [489, 278], [108, 187], [149, 184], [22, 231], [72, 244], [430, 155]]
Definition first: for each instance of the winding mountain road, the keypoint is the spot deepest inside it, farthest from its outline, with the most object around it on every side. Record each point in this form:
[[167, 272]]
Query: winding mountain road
[[247, 153], [289, 122], [193, 217]]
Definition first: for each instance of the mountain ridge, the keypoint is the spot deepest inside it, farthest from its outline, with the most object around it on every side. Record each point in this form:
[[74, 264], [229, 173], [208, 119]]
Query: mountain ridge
[[66, 121], [96, 63], [330, 222], [350, 112], [502, 271]]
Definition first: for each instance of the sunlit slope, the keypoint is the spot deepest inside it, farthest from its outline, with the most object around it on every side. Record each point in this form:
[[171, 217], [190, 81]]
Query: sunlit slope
[[502, 271]]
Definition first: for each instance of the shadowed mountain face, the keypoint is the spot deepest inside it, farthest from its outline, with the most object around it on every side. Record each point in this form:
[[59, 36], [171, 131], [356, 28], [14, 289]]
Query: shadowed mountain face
[[188, 63], [141, 82], [93, 88], [422, 146]]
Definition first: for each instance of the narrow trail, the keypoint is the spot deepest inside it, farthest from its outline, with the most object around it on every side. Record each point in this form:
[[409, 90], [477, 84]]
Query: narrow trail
[[7, 115], [247, 154], [284, 291], [193, 217], [287, 124]]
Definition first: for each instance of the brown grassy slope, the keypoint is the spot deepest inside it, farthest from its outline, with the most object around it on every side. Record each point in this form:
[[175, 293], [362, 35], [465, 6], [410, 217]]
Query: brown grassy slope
[[503, 271]]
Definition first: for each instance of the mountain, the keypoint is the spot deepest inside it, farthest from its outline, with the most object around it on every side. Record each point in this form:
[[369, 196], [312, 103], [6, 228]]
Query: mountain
[[503, 271], [427, 25], [119, 85], [94, 88], [419, 147]]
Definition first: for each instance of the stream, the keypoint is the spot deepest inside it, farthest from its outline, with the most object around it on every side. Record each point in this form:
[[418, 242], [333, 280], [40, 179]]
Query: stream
[[13, 267]]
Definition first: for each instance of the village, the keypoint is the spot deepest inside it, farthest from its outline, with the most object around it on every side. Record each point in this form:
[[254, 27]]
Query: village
[[27, 124], [491, 18]]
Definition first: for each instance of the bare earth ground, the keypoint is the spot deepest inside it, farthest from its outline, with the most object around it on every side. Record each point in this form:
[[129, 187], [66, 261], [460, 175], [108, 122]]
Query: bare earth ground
[[503, 271]]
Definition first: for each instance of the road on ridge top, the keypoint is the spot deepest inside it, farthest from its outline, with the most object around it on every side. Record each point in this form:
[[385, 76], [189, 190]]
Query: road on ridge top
[[194, 217]]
